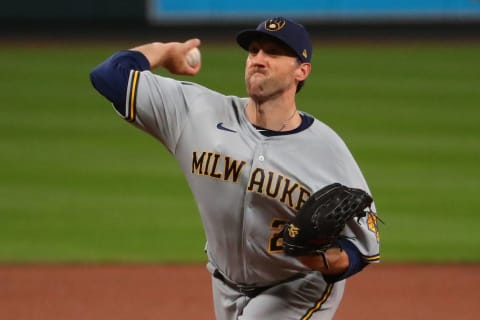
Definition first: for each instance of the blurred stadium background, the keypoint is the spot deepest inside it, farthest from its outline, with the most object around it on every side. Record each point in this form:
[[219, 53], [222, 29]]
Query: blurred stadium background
[[398, 80], [333, 19]]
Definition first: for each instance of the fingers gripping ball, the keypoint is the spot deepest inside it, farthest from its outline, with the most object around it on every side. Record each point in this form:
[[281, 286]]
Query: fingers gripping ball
[[321, 219], [193, 57]]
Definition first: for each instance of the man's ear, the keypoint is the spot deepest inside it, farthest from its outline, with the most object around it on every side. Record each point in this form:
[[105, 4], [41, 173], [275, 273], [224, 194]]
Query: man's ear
[[303, 71]]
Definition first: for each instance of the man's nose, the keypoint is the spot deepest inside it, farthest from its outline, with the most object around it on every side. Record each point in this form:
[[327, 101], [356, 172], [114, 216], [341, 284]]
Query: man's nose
[[259, 57]]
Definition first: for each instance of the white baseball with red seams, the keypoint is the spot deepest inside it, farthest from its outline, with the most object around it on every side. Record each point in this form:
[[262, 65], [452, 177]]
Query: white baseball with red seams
[[193, 57]]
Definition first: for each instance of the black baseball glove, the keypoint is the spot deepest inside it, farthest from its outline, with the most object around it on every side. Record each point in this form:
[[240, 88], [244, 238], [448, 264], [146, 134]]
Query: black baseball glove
[[321, 219]]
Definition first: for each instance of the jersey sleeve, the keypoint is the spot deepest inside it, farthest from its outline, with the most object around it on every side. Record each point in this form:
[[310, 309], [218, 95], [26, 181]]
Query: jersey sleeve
[[157, 105], [363, 233], [162, 106], [360, 239]]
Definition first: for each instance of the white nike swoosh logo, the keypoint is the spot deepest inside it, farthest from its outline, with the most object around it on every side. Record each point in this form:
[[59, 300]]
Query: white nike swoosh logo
[[221, 127]]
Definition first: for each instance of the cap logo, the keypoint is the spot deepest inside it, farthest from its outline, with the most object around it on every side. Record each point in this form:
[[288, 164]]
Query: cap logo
[[275, 24], [304, 53]]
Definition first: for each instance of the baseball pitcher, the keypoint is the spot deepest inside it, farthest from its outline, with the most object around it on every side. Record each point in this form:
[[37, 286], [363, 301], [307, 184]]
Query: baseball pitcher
[[287, 213]]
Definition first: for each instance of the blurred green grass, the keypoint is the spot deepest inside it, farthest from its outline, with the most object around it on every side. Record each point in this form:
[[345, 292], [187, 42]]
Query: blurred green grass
[[77, 184]]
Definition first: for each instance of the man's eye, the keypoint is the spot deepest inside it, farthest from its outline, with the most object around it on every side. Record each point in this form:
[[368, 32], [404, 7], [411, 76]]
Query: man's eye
[[274, 51]]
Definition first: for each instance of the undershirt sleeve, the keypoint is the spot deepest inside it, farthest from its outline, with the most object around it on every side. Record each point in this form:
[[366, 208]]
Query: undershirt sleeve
[[356, 263], [110, 78]]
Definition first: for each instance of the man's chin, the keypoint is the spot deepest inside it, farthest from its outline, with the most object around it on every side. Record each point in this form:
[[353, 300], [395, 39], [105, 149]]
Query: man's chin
[[255, 91]]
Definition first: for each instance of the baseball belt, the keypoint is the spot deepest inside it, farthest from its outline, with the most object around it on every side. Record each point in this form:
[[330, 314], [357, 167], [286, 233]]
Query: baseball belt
[[249, 291]]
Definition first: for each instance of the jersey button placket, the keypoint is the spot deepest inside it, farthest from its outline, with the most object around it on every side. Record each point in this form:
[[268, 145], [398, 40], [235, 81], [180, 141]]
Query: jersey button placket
[[261, 153]]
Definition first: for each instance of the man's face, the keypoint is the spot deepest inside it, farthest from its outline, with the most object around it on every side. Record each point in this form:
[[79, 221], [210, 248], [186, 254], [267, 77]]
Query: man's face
[[271, 69]]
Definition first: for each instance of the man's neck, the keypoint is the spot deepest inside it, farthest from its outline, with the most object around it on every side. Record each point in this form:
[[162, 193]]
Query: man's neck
[[273, 115]]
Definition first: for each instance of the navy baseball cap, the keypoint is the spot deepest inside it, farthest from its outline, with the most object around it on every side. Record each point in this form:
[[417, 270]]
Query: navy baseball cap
[[287, 31]]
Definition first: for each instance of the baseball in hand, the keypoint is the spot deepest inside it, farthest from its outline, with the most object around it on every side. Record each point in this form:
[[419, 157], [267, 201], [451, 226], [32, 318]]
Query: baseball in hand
[[193, 57]]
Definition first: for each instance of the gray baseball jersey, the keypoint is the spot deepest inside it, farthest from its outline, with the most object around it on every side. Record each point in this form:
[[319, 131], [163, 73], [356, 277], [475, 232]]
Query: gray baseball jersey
[[247, 186]]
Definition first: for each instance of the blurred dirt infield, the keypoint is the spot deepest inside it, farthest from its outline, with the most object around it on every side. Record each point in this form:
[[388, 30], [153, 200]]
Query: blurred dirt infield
[[143, 292]]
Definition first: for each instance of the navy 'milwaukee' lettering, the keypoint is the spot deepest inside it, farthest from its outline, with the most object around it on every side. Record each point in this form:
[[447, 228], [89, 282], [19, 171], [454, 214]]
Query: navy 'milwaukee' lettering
[[275, 185], [268, 183], [216, 166]]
